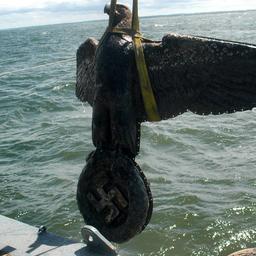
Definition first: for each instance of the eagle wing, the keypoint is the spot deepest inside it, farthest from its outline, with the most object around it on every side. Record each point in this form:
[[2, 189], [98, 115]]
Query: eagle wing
[[187, 73], [85, 72], [202, 75]]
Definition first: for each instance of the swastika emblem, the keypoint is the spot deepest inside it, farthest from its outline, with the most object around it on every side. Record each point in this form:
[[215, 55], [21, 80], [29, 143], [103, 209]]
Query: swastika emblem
[[111, 203]]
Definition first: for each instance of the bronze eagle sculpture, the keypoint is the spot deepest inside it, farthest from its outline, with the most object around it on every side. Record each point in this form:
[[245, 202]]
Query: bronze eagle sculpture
[[187, 73]]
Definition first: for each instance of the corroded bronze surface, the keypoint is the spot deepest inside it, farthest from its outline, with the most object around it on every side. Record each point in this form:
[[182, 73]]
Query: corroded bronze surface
[[114, 196]]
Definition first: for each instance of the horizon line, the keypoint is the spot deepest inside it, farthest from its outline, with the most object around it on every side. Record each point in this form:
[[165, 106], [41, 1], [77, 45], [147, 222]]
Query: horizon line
[[141, 17]]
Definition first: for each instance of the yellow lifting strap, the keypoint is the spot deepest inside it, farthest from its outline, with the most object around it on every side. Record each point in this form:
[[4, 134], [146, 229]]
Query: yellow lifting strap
[[145, 84]]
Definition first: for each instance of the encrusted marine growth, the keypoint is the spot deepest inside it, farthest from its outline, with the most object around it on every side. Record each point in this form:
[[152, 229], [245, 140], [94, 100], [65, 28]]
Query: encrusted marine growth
[[114, 196]]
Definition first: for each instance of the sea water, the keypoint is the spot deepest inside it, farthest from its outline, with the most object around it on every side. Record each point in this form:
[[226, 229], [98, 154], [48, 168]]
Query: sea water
[[201, 168]]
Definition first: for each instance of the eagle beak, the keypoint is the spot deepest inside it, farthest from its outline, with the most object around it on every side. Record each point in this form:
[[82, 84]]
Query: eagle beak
[[107, 8]]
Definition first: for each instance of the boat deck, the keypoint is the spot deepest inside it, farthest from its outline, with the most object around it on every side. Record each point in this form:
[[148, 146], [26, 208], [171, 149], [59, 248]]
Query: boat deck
[[19, 239]]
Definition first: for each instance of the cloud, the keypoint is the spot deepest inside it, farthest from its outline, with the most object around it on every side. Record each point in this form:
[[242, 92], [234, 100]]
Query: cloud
[[56, 8], [96, 6], [52, 12], [16, 20], [79, 6], [15, 13]]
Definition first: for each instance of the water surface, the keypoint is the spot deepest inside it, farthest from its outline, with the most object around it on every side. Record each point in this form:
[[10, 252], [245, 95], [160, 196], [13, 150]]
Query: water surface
[[201, 168]]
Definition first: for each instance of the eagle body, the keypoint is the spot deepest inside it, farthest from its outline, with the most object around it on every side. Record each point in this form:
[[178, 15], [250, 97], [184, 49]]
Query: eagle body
[[114, 124], [187, 73]]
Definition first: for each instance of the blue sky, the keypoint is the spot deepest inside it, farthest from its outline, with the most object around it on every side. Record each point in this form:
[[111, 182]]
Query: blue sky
[[21, 13]]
